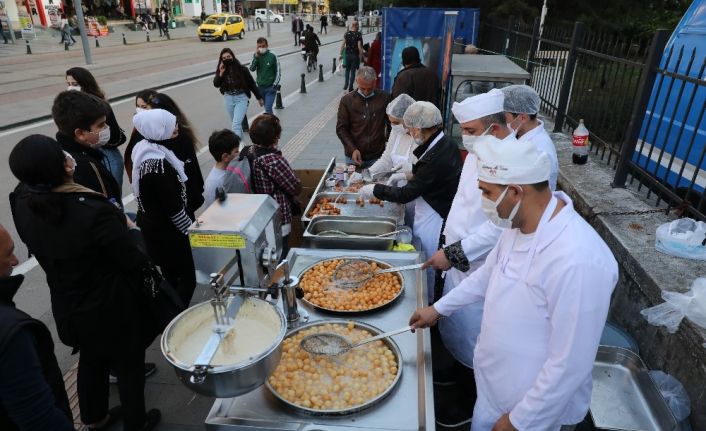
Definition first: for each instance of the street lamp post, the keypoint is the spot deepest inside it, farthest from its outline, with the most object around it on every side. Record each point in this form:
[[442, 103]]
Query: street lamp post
[[360, 12], [82, 30], [268, 17]]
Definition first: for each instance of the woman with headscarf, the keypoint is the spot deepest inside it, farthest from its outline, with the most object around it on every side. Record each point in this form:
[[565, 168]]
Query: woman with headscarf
[[236, 84], [141, 104], [88, 250], [159, 185]]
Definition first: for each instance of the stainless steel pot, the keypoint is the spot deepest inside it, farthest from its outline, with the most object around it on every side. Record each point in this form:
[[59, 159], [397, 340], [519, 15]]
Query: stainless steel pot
[[231, 380]]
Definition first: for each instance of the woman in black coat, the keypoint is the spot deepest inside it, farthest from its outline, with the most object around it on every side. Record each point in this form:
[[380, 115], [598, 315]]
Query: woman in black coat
[[236, 84], [87, 248]]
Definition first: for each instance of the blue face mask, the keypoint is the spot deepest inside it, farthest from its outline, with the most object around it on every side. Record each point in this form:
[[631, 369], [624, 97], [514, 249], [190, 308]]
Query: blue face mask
[[368, 96]]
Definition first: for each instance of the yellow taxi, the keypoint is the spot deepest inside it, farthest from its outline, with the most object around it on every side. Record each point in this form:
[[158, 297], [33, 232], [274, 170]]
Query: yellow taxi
[[221, 26]]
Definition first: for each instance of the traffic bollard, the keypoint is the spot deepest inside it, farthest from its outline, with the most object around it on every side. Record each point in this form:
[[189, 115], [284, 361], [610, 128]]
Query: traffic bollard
[[245, 124], [98, 45], [278, 99], [66, 46], [303, 86], [148, 35], [29, 50], [124, 40], [321, 73], [334, 65]]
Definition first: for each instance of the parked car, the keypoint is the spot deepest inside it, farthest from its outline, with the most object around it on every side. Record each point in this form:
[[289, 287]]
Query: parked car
[[221, 26], [260, 15]]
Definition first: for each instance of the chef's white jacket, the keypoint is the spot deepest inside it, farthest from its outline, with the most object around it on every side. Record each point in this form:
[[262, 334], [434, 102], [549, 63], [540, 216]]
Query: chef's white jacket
[[540, 372], [544, 143]]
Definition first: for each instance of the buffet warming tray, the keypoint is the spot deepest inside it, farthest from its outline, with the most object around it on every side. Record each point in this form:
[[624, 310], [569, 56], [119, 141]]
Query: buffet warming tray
[[409, 406], [360, 233], [624, 396]]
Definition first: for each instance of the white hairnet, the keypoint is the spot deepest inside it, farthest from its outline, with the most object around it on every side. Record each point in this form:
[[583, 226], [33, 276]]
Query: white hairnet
[[399, 105], [520, 99], [422, 115]]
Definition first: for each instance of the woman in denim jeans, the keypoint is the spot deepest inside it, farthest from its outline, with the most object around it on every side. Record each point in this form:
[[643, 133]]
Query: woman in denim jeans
[[237, 85]]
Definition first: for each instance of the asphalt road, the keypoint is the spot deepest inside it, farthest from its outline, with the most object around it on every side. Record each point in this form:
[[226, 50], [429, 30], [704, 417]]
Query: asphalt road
[[200, 101]]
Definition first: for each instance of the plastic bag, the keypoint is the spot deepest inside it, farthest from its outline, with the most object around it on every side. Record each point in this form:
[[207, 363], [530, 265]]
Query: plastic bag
[[673, 393], [339, 69], [684, 237], [691, 304]]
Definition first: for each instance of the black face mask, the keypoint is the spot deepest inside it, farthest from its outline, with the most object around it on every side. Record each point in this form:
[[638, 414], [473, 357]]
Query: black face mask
[[227, 61], [170, 143]]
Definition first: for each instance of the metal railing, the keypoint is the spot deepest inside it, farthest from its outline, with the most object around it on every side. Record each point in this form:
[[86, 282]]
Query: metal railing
[[608, 82]]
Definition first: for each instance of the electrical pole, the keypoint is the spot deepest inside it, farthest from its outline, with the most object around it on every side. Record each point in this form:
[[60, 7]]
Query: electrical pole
[[360, 14], [82, 30], [268, 16]]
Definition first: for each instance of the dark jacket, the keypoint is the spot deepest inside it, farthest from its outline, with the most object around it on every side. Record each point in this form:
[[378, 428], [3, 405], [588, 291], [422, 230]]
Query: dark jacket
[[184, 150], [362, 124], [32, 394], [312, 42], [297, 25], [436, 177], [90, 169], [419, 82], [249, 87], [117, 136], [93, 267]]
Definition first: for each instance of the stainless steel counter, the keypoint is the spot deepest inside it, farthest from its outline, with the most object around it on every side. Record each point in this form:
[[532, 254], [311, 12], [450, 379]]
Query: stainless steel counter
[[410, 406]]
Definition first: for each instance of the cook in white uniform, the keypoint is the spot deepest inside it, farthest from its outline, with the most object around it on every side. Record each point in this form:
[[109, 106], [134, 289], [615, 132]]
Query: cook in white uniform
[[521, 108], [433, 181], [469, 235], [546, 287]]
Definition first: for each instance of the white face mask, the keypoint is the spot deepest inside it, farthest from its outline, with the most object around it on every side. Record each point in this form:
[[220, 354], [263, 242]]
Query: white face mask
[[513, 131], [490, 208], [73, 88], [103, 138], [138, 110], [262, 50], [397, 128], [470, 140]]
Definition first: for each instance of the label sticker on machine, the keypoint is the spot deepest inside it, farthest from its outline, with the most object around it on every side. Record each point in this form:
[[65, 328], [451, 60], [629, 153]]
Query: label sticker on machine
[[217, 240]]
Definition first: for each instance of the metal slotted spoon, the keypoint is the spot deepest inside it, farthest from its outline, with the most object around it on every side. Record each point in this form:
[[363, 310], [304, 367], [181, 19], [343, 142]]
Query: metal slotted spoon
[[333, 344], [355, 272]]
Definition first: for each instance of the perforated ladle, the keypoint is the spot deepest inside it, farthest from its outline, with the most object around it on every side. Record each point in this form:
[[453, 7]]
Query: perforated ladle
[[333, 344], [362, 272]]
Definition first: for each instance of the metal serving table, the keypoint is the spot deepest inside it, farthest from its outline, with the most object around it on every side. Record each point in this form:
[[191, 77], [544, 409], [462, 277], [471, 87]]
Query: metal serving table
[[410, 406], [388, 210]]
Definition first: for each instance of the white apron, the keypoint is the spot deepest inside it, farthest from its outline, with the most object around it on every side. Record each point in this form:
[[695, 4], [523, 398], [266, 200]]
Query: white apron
[[502, 368], [396, 160]]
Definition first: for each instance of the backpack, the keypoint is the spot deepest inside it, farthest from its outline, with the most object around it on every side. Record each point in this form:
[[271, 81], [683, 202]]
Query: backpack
[[238, 177]]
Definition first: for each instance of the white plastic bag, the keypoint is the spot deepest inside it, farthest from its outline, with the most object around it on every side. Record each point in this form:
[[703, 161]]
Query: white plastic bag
[[683, 237], [673, 393], [691, 304], [339, 69]]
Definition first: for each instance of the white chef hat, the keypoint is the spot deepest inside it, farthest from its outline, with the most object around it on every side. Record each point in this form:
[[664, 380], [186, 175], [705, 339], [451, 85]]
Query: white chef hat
[[510, 161], [479, 106]]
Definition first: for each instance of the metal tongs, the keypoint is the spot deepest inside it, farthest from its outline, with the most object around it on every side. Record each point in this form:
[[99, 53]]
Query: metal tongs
[[362, 272], [333, 344]]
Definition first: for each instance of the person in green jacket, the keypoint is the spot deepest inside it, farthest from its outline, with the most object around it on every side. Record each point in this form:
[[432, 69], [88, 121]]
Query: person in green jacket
[[266, 63]]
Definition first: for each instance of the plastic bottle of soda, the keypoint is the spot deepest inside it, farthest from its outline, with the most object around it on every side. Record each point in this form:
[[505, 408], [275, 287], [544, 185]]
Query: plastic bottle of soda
[[580, 144]]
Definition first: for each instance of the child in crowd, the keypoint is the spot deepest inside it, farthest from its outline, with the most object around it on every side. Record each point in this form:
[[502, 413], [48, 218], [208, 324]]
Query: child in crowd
[[224, 146]]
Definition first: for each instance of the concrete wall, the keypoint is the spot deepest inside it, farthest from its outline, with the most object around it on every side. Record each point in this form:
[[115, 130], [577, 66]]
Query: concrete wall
[[644, 273]]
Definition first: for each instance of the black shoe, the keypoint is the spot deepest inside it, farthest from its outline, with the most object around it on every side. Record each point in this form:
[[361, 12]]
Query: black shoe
[[150, 368], [154, 417], [114, 415]]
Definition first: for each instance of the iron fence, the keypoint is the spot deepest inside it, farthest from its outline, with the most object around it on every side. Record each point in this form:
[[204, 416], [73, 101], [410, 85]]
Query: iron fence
[[608, 82]]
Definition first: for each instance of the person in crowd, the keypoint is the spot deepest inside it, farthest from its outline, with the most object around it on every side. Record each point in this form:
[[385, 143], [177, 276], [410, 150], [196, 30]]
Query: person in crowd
[[361, 123], [224, 146], [185, 145], [271, 173], [141, 104], [432, 183], [65, 28], [159, 185], [32, 394], [82, 122], [165, 21], [88, 251], [546, 285], [266, 64], [374, 57], [312, 42], [521, 108], [324, 24], [2, 30], [78, 78], [158, 20], [415, 79], [353, 47], [297, 28], [237, 85], [203, 16]]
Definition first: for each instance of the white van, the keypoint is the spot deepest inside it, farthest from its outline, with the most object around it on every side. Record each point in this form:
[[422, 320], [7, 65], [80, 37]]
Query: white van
[[273, 17]]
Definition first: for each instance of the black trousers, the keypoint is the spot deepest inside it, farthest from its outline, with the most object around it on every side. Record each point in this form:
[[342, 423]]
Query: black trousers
[[126, 357], [171, 251], [297, 35], [324, 29]]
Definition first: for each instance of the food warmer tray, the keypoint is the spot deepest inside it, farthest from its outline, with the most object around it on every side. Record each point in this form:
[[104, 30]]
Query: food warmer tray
[[261, 410], [361, 233], [624, 396], [389, 209]]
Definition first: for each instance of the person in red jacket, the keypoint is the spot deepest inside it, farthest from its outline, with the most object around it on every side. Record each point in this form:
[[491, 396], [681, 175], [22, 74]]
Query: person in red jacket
[[374, 59]]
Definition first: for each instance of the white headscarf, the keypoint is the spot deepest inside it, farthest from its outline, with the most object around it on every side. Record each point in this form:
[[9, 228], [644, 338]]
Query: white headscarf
[[154, 125]]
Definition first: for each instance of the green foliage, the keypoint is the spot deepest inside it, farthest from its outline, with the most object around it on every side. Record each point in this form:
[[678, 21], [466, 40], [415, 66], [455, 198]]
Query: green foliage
[[102, 20]]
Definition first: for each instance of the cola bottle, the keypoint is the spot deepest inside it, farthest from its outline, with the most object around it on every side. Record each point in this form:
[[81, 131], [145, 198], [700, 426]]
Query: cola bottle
[[580, 144]]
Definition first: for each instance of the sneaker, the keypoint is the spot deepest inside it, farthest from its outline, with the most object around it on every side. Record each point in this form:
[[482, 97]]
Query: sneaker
[[150, 368], [154, 417]]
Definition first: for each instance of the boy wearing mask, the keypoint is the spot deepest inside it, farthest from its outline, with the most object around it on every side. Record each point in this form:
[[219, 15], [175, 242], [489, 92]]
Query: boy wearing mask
[[224, 146], [266, 64]]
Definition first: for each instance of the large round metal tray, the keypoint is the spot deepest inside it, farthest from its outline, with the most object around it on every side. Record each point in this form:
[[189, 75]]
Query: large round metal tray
[[359, 325], [370, 259]]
